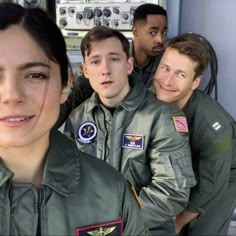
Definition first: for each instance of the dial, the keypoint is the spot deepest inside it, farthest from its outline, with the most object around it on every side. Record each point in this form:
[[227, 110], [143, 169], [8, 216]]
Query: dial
[[88, 13], [106, 12]]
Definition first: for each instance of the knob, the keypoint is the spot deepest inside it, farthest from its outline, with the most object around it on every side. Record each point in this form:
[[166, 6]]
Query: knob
[[106, 23], [79, 16], [72, 10], [98, 22], [132, 11], [106, 12], [63, 22], [88, 13], [116, 11], [62, 11], [98, 12], [116, 23], [125, 16]]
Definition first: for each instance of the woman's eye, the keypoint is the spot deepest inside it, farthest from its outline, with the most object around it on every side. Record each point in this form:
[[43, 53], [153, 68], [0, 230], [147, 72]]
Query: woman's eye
[[39, 76]]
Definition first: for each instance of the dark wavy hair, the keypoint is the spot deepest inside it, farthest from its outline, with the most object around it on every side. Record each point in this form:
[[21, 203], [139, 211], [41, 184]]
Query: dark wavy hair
[[41, 28]]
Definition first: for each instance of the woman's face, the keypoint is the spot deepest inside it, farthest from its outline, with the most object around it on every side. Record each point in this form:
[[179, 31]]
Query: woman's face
[[30, 90]]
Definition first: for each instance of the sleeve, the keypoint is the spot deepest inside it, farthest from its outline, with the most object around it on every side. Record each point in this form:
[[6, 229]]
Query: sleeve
[[81, 90], [131, 212], [171, 167], [212, 167]]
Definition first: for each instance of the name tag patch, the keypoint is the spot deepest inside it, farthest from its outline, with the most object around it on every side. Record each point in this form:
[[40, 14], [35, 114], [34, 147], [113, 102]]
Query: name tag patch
[[133, 141], [110, 229], [86, 133]]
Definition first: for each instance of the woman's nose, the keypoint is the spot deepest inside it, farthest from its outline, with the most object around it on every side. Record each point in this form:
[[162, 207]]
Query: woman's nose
[[11, 91]]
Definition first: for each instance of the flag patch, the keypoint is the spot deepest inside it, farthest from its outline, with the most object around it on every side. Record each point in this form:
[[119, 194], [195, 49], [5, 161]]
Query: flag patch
[[181, 124]]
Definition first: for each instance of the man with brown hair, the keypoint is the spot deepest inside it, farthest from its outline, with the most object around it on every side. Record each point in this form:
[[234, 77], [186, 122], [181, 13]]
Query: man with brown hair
[[212, 136]]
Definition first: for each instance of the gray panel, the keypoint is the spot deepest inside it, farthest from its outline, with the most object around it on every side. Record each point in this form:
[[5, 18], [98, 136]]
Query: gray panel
[[173, 8], [215, 20]]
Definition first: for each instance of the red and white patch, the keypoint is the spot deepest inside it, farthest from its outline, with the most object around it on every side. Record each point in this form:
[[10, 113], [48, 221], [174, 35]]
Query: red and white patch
[[181, 124]]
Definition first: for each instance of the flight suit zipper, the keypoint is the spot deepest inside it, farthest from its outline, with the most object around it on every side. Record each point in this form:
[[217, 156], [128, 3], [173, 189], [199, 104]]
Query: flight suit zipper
[[39, 204]]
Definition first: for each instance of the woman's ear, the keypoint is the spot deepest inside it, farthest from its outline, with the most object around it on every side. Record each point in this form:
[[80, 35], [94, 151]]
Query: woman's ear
[[65, 93], [71, 78]]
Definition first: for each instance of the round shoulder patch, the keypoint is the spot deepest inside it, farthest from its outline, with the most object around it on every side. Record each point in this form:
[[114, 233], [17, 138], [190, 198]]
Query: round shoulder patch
[[86, 133]]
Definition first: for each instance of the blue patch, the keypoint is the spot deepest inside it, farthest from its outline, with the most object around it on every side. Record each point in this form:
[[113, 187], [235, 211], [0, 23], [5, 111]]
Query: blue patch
[[86, 133], [133, 141], [114, 228]]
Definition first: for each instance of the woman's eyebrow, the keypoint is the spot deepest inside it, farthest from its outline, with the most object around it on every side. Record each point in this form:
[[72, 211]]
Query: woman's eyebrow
[[33, 64]]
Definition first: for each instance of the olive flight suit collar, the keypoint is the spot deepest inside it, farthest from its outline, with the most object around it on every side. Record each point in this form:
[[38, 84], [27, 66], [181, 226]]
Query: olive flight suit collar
[[61, 171], [130, 103]]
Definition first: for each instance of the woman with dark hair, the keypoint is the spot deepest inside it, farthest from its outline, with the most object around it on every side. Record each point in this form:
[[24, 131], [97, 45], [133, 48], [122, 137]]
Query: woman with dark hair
[[47, 186]]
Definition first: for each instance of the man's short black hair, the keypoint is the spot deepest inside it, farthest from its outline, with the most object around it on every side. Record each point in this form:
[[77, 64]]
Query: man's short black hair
[[142, 11]]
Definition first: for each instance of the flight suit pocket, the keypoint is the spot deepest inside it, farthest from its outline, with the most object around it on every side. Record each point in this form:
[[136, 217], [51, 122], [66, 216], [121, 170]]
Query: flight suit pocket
[[139, 173], [183, 171]]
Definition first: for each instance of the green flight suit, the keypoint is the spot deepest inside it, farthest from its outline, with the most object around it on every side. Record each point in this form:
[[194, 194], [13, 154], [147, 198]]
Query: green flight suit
[[80, 195], [141, 141], [213, 146]]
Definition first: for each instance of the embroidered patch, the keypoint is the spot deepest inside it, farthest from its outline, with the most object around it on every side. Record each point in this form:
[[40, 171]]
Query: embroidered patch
[[216, 126], [114, 228], [133, 141], [86, 133], [181, 124]]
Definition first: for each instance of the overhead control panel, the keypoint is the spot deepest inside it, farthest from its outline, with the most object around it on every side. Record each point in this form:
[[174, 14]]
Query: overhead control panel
[[76, 17], [82, 16]]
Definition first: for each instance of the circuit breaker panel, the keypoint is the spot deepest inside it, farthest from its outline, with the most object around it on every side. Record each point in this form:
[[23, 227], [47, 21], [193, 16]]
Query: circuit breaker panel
[[76, 17], [85, 16]]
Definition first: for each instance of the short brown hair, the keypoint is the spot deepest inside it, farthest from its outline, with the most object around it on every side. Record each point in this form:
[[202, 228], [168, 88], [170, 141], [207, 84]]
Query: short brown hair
[[100, 33], [195, 47]]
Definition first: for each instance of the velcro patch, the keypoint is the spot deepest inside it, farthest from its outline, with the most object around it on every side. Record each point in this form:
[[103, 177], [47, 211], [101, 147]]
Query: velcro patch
[[86, 133], [181, 124], [133, 141], [114, 228], [216, 126]]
